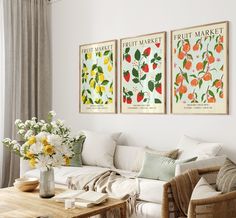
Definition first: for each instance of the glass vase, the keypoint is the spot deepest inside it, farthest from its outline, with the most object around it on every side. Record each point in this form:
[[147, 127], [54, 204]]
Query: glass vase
[[47, 184]]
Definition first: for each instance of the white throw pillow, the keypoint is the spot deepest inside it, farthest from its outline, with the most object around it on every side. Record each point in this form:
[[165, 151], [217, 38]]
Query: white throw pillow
[[99, 148], [190, 147], [203, 190]]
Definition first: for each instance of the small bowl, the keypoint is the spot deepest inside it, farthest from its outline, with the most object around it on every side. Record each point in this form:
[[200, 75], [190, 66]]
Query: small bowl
[[27, 181], [26, 187]]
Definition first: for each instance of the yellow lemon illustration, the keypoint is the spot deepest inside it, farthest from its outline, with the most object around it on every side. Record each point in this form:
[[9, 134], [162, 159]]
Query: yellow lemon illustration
[[83, 98], [87, 102], [111, 89], [93, 73], [85, 69], [98, 88], [89, 55], [100, 54], [101, 77], [110, 101], [106, 60], [92, 82], [103, 88], [109, 68]]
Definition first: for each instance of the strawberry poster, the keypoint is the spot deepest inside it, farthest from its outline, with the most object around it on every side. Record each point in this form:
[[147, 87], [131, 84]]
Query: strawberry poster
[[98, 77], [200, 69], [143, 74]]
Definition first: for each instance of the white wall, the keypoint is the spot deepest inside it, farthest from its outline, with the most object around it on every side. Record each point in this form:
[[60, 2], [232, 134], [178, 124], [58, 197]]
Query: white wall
[[76, 22]]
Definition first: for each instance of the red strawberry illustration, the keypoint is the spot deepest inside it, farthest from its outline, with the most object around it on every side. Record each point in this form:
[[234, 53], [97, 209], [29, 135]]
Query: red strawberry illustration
[[147, 51], [129, 100], [140, 96], [158, 44], [128, 58], [154, 66], [159, 88], [127, 76], [145, 68], [124, 98]]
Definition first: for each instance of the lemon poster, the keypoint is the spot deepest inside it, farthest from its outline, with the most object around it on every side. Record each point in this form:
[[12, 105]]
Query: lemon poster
[[143, 74], [98, 77], [200, 69]]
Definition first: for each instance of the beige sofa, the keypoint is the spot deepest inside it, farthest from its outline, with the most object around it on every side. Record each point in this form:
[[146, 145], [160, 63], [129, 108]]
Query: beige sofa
[[128, 160]]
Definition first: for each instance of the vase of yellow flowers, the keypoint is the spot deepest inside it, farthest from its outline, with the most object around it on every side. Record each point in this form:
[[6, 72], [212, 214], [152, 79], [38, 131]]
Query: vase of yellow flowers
[[46, 145]]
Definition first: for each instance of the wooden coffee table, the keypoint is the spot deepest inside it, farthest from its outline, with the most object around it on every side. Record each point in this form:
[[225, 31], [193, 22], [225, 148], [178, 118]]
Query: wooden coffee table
[[14, 203]]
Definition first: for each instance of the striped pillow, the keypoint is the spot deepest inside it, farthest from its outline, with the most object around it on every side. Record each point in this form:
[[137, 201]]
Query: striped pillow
[[226, 178]]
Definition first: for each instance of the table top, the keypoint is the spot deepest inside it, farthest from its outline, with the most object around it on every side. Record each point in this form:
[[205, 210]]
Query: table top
[[14, 203]]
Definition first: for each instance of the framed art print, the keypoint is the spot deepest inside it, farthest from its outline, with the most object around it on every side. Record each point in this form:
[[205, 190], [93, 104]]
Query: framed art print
[[98, 77], [143, 73], [199, 65]]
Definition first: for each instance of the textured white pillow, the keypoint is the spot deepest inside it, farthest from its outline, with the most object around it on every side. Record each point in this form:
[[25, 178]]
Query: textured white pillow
[[99, 148], [190, 147]]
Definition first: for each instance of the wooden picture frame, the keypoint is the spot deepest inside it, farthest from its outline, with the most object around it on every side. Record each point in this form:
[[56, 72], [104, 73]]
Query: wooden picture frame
[[98, 77], [143, 74], [200, 69]]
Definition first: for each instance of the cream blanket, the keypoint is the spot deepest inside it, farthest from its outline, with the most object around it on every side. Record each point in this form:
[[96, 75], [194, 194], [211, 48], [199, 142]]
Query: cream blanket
[[110, 182]]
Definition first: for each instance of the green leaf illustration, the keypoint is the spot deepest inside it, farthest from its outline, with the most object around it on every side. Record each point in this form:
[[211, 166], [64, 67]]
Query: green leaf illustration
[[100, 70], [89, 91], [130, 93], [127, 50], [200, 83], [211, 93], [158, 77], [137, 55], [144, 77], [151, 85], [106, 52], [105, 82], [135, 72], [158, 101], [135, 80], [94, 66], [186, 77]]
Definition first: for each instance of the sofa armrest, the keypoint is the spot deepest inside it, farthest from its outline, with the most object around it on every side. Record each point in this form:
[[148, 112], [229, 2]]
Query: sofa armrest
[[24, 167], [199, 164]]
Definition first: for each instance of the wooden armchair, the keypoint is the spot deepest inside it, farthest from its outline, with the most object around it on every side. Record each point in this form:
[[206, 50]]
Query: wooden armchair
[[221, 206]]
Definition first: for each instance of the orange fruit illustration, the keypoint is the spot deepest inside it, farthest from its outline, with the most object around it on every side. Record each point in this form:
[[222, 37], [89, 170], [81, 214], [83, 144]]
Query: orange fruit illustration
[[182, 89], [211, 100], [181, 55], [221, 39], [221, 95], [199, 66], [188, 65], [218, 84], [186, 47], [211, 59], [179, 78], [190, 96], [207, 76], [194, 82], [196, 47], [219, 48]]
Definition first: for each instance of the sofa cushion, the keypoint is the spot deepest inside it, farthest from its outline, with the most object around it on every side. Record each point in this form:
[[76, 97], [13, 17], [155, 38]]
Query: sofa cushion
[[128, 158], [147, 210], [159, 167], [150, 190], [98, 149], [76, 160], [226, 178], [190, 147]]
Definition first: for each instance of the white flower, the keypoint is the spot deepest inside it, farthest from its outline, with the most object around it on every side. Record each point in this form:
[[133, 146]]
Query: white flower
[[27, 122], [21, 125], [28, 134], [36, 126], [44, 162], [60, 122], [52, 113], [54, 125], [36, 148], [6, 140], [32, 122], [14, 142], [44, 127], [21, 131], [34, 118], [41, 136], [65, 150], [54, 140], [22, 149], [42, 121], [18, 121], [58, 160], [16, 147]]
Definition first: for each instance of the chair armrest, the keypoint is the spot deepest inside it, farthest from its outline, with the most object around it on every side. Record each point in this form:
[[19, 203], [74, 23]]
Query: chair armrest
[[198, 164], [24, 167]]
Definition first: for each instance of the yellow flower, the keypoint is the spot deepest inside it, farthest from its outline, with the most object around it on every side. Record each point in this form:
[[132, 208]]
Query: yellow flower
[[44, 141], [109, 68], [31, 140], [92, 82], [101, 77], [98, 89], [110, 100], [106, 60], [89, 55], [67, 161], [29, 155], [102, 88], [48, 149], [93, 73], [32, 162]]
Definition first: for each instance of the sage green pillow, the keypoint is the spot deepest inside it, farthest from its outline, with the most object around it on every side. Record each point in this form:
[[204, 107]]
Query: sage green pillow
[[76, 160], [159, 167]]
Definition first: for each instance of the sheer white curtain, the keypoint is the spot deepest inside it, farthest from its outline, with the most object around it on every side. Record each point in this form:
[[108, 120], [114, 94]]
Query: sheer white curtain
[[2, 84]]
